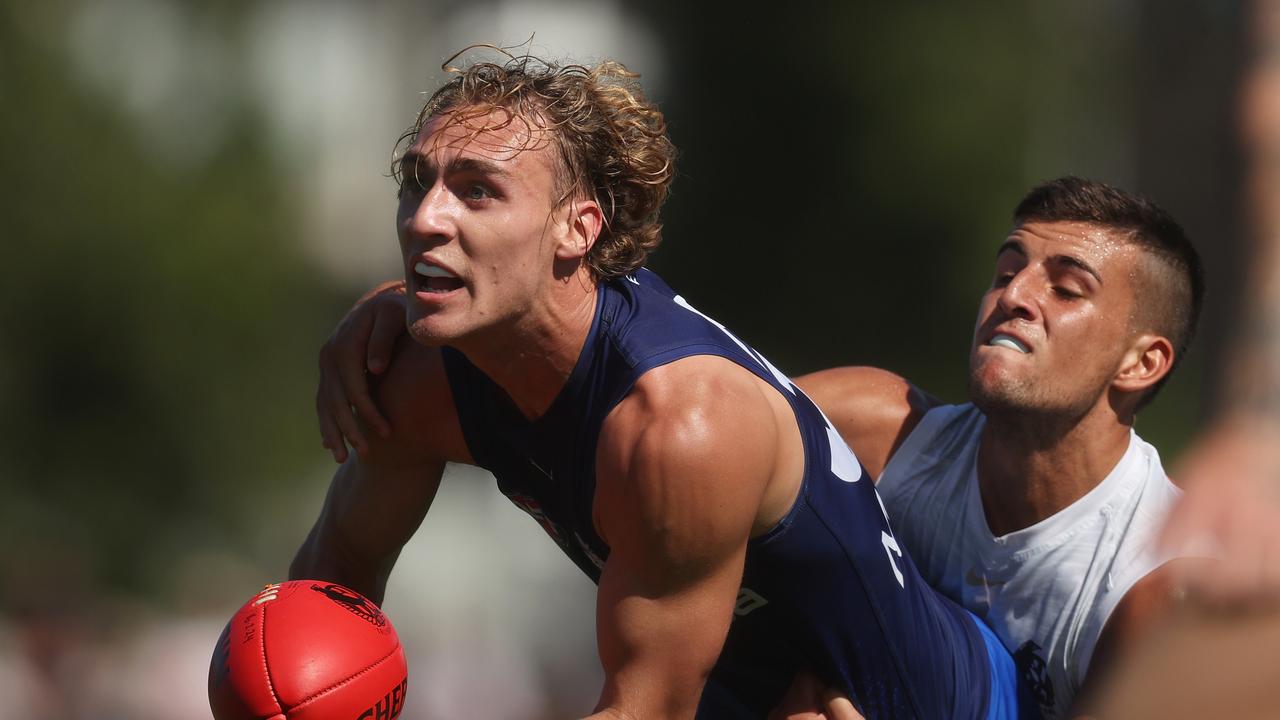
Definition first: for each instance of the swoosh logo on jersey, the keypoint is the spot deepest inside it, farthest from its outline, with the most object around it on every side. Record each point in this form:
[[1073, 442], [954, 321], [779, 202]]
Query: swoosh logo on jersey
[[975, 579]]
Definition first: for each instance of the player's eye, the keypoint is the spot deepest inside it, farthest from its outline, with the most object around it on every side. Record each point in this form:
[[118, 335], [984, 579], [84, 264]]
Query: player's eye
[[477, 193], [1067, 293], [412, 184]]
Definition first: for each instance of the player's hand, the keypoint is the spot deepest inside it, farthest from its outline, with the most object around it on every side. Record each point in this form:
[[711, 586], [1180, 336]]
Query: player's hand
[[809, 698], [364, 340], [1231, 509]]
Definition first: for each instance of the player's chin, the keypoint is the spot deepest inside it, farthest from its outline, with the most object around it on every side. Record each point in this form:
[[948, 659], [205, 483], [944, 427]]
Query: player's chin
[[430, 331], [993, 390]]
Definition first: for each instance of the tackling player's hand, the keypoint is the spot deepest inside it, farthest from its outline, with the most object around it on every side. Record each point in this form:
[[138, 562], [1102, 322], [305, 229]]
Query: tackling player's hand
[[1231, 509], [809, 698], [364, 340]]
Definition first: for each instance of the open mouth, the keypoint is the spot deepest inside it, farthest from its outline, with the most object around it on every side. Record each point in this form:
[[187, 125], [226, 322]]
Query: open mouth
[[433, 279], [1008, 341]]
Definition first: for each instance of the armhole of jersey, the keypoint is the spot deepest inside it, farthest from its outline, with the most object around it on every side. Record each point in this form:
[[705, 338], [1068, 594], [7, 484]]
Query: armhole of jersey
[[1153, 559], [1097, 622]]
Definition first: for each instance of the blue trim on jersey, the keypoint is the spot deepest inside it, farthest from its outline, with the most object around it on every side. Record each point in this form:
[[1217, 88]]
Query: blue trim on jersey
[[1007, 699], [826, 588]]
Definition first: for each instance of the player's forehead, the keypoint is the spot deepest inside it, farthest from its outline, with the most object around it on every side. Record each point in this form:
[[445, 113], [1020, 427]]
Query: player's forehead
[[496, 135], [1098, 245]]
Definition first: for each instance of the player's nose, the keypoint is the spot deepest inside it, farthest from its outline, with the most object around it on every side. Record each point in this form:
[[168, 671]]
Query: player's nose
[[1018, 297], [433, 216]]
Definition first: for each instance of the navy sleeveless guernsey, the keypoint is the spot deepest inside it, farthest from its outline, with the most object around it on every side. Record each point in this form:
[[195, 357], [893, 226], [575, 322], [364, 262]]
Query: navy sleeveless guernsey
[[828, 588]]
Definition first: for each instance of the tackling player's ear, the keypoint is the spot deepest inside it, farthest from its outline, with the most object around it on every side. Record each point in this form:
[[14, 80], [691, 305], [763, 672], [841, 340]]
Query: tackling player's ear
[[1148, 359], [581, 226]]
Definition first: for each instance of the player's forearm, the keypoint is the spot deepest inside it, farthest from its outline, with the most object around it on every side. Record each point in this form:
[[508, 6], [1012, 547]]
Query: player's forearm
[[370, 512], [611, 714], [653, 702], [323, 557]]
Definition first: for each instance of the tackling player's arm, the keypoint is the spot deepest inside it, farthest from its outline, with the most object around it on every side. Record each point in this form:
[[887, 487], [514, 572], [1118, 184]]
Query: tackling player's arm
[[873, 410], [376, 501], [682, 466], [366, 338]]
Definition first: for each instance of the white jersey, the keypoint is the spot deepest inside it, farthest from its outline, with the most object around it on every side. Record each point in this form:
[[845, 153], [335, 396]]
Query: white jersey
[[1046, 590]]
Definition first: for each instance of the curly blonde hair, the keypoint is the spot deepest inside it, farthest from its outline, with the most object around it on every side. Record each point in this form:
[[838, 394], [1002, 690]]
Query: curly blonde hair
[[612, 143]]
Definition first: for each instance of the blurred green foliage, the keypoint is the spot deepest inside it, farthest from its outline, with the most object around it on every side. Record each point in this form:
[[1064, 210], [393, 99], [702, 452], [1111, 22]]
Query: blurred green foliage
[[160, 327]]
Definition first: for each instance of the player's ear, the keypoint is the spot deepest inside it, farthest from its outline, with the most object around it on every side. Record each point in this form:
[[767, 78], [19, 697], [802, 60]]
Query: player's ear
[[1148, 359], [582, 224]]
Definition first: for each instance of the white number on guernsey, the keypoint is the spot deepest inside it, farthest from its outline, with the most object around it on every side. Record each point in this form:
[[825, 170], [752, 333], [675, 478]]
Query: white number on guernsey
[[890, 544], [891, 548], [844, 464]]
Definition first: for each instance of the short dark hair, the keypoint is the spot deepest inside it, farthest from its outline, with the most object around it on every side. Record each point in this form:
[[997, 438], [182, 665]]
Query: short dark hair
[[1176, 295]]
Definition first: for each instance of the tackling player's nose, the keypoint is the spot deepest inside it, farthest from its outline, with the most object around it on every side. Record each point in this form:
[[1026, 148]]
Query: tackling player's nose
[[1017, 298]]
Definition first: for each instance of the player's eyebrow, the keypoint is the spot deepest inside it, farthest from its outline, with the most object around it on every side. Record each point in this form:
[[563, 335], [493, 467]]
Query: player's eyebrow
[[413, 162], [476, 165], [1011, 244], [1076, 263]]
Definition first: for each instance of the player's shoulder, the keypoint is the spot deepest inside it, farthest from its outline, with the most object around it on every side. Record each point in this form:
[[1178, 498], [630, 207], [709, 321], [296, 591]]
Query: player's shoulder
[[692, 405], [414, 395]]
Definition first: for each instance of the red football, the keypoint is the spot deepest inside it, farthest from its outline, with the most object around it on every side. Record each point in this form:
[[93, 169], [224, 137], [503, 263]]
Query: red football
[[308, 650]]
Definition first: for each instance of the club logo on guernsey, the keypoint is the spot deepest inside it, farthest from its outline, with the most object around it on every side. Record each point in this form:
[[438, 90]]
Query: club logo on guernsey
[[534, 508], [591, 554], [1029, 660]]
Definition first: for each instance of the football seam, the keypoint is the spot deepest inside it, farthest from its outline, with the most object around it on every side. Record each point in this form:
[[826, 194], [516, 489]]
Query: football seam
[[266, 667], [321, 693]]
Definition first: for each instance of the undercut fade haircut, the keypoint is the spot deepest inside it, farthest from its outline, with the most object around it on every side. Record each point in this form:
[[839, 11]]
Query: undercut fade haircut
[[1171, 290], [611, 142]]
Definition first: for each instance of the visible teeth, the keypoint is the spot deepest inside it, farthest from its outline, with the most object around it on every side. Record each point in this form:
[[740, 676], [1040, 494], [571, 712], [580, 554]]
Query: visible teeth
[[1006, 341], [426, 270]]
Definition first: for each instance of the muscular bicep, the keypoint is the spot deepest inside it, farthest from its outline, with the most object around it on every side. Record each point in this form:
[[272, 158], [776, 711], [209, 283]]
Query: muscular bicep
[[660, 636], [680, 480], [873, 410]]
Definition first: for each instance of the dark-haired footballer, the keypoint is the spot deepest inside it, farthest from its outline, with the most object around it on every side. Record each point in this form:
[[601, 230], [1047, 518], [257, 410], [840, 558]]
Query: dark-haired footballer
[[1036, 506]]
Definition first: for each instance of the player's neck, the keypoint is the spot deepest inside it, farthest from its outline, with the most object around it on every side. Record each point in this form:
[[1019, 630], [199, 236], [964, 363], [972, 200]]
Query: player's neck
[[533, 357], [1029, 471]]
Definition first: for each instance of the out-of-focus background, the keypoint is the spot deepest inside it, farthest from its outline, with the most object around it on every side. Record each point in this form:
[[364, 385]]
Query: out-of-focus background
[[192, 193]]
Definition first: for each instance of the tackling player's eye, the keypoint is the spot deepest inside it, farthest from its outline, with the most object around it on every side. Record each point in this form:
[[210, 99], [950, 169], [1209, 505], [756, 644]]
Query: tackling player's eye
[[1067, 293]]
